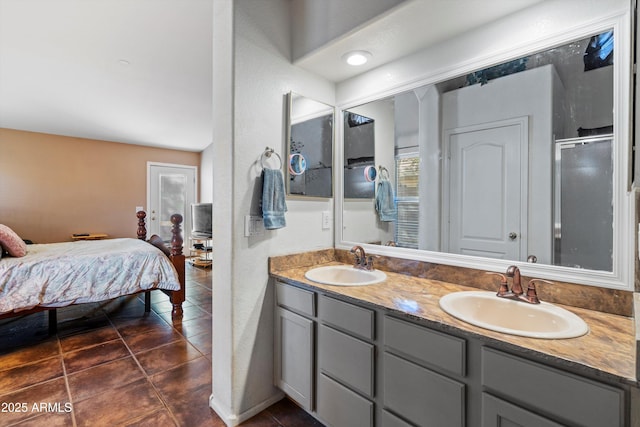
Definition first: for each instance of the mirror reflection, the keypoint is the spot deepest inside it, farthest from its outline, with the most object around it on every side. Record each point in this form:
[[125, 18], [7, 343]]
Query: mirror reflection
[[297, 164], [359, 155], [511, 162], [310, 141]]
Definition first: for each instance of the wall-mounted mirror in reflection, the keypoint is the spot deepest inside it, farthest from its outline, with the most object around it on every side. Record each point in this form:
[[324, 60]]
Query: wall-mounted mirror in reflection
[[359, 155], [310, 142], [507, 162]]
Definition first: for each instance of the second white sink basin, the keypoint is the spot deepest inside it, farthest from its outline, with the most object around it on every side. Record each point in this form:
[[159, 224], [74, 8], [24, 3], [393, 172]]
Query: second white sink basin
[[486, 310], [344, 275]]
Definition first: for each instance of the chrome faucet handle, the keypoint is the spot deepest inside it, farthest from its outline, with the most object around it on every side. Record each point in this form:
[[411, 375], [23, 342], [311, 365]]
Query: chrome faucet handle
[[368, 264], [504, 286], [532, 295]]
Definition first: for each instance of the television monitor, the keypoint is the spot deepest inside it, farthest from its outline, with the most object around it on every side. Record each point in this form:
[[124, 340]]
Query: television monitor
[[201, 214]]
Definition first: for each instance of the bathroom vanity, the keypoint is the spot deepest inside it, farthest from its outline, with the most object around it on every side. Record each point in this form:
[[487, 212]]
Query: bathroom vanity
[[387, 355]]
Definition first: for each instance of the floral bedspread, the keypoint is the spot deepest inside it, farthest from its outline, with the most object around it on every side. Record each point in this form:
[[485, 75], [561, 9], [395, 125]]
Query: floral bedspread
[[60, 274]]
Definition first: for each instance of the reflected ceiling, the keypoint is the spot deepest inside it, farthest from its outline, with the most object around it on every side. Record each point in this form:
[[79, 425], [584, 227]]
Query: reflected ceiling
[[405, 29]]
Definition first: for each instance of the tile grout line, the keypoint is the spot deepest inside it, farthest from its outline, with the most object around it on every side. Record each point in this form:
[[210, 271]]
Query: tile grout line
[[66, 382], [146, 376]]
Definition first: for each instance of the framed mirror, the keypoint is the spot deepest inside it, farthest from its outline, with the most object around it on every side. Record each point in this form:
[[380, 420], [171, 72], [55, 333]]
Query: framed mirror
[[310, 147], [512, 161]]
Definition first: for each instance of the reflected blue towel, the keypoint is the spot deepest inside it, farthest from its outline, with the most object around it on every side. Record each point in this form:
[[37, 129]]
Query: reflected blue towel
[[385, 201], [273, 203]]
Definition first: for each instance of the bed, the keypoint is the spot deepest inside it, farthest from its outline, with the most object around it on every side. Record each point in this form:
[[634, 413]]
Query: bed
[[56, 275]]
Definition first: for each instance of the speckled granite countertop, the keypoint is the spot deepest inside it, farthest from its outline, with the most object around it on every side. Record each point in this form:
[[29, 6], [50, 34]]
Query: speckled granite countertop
[[607, 351]]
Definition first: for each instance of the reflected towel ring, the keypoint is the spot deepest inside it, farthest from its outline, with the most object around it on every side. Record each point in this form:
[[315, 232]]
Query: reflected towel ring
[[267, 153], [384, 172]]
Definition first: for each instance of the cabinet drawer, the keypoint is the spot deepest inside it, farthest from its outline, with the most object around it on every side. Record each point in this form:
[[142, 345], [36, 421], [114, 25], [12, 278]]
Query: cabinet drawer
[[574, 399], [340, 407], [346, 359], [390, 420], [423, 397], [425, 345], [498, 413], [296, 299], [347, 316]]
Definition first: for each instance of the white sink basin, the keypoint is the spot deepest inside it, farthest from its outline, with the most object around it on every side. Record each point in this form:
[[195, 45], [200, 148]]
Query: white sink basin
[[486, 310], [344, 275]]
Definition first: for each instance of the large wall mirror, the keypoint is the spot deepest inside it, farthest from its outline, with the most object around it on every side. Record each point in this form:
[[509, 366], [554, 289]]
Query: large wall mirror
[[521, 160], [310, 147]]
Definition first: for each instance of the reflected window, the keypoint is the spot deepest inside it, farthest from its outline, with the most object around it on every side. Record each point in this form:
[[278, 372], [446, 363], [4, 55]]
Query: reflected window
[[407, 201], [599, 52]]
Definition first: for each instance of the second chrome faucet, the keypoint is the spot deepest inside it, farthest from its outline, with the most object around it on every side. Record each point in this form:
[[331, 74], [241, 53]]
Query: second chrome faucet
[[516, 292]]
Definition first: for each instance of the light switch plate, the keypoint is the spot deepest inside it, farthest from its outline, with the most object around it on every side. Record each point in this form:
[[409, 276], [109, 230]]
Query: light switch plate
[[326, 220], [253, 226]]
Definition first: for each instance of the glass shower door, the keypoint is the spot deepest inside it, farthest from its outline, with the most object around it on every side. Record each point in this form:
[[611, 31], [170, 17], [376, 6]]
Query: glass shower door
[[584, 190]]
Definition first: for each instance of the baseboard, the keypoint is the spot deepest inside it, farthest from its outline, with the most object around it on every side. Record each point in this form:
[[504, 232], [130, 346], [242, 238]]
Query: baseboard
[[232, 420]]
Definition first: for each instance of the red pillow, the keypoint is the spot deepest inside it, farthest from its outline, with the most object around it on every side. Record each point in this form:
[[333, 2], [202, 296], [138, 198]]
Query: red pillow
[[11, 242]]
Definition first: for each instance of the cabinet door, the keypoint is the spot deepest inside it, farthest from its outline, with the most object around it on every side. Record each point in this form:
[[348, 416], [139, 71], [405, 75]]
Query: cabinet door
[[294, 356], [498, 413]]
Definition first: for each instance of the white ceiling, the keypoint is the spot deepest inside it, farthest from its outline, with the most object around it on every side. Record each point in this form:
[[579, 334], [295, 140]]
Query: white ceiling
[[62, 68]]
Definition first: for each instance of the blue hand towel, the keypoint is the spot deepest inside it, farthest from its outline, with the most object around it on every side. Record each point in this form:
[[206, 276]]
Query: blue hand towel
[[273, 203], [385, 201]]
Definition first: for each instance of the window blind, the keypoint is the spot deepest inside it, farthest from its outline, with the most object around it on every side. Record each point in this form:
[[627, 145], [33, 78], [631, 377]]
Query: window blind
[[407, 195]]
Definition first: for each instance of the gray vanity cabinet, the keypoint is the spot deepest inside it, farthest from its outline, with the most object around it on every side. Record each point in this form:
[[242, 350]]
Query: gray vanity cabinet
[[294, 345], [353, 365]]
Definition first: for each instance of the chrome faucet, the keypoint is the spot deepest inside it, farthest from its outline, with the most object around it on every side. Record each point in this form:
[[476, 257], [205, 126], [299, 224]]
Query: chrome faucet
[[516, 292], [516, 286], [362, 261]]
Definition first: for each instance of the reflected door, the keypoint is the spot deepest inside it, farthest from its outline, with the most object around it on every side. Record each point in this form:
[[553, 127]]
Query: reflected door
[[484, 191], [171, 189]]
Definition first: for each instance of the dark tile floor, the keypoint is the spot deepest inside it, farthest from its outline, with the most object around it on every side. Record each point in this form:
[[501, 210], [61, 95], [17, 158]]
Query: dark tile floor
[[112, 365]]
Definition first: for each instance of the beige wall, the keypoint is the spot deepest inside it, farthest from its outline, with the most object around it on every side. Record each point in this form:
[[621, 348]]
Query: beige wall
[[53, 186]]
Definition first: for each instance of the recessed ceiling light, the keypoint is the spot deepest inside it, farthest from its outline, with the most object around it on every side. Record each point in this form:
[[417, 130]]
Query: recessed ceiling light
[[356, 57]]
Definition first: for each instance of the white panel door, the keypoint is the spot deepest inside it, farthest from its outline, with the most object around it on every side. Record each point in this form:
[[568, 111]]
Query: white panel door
[[485, 190], [171, 189]]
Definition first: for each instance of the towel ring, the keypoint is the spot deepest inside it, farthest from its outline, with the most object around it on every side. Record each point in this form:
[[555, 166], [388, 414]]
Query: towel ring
[[267, 153]]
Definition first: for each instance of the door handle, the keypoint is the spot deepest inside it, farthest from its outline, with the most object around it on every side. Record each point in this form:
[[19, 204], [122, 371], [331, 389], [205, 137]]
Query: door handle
[[513, 235]]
